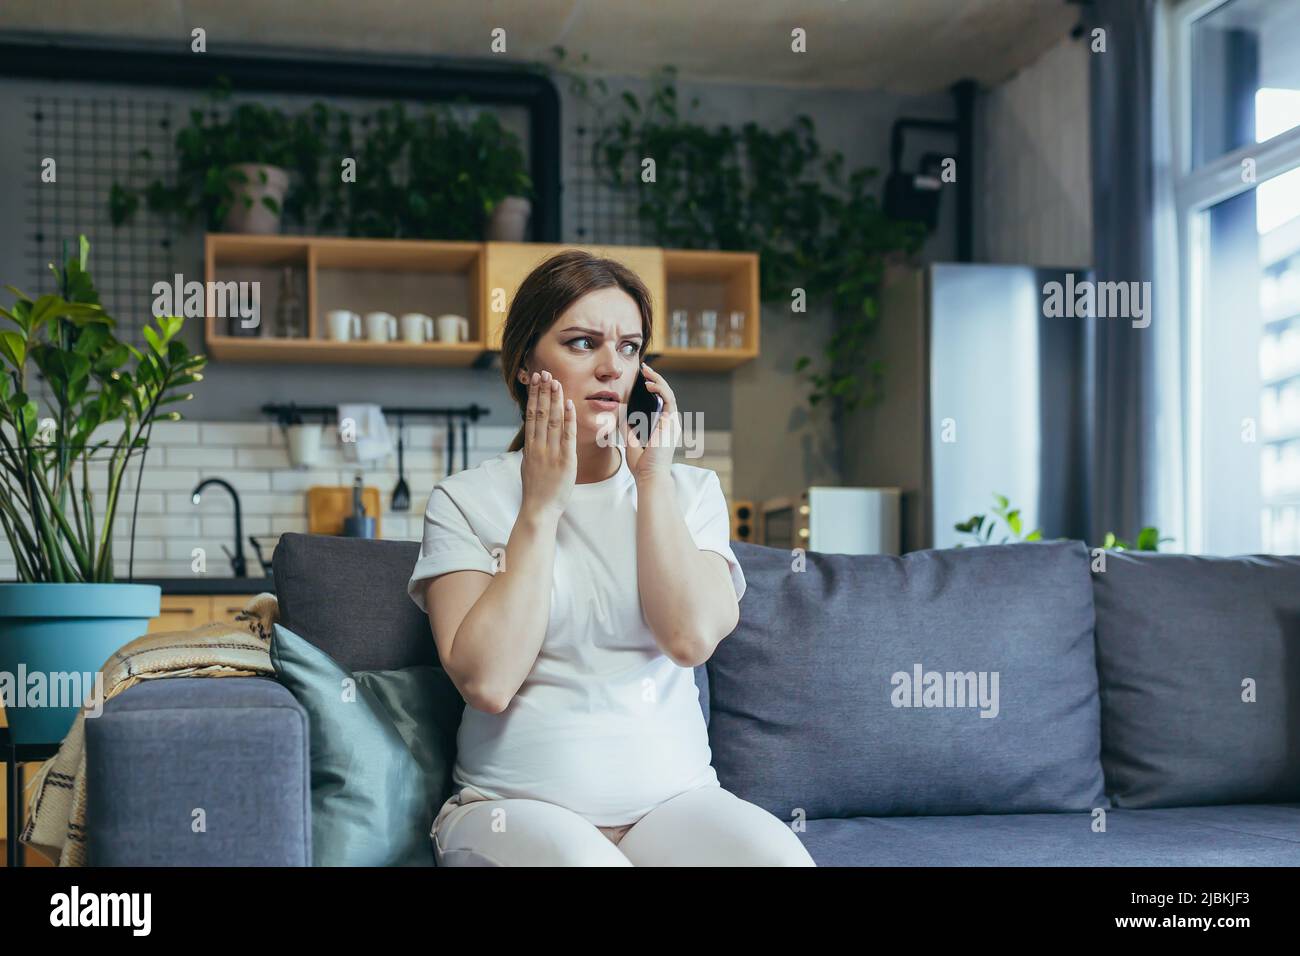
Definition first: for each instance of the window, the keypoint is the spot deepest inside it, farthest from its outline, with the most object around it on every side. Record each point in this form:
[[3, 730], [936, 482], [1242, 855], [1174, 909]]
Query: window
[[1238, 193]]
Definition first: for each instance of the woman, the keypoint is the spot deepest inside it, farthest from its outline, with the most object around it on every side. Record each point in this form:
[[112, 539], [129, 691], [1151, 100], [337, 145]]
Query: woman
[[571, 584]]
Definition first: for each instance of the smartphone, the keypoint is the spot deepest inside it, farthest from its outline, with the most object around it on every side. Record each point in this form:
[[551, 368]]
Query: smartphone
[[648, 404]]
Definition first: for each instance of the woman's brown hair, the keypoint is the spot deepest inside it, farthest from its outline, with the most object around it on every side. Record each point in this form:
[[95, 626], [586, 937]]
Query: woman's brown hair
[[545, 295]]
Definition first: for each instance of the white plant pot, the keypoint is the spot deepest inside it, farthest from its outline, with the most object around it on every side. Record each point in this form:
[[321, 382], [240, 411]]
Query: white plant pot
[[252, 216], [509, 222]]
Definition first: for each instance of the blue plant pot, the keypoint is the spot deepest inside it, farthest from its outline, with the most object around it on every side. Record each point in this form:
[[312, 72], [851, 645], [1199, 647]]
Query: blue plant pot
[[65, 632]]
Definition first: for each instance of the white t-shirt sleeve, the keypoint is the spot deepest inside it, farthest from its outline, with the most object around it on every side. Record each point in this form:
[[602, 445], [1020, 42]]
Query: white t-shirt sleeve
[[710, 525], [449, 545]]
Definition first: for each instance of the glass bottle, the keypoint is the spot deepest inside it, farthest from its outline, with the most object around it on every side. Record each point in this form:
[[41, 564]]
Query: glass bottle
[[289, 311]]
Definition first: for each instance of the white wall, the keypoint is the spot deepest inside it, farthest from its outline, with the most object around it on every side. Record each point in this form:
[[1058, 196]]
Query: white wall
[[1033, 203]]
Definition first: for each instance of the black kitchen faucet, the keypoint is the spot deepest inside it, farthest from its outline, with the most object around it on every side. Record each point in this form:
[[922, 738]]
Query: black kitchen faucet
[[237, 558]]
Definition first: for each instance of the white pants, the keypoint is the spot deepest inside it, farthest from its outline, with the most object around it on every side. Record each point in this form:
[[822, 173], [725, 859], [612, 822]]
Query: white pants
[[707, 826]]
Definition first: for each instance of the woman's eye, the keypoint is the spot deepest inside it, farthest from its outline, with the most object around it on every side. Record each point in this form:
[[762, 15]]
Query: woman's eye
[[629, 348]]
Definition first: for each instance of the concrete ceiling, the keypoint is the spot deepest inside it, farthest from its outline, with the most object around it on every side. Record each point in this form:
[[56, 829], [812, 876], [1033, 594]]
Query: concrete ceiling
[[903, 46]]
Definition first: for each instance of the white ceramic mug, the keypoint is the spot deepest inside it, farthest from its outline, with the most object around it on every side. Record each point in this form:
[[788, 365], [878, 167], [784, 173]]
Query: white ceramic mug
[[453, 328], [416, 327], [381, 326], [343, 325]]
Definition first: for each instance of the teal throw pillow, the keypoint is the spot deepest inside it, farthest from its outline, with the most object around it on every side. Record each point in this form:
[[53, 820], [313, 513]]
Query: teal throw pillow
[[382, 748]]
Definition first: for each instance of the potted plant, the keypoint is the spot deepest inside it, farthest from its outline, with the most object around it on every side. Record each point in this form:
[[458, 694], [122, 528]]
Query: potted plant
[[502, 181], [426, 176], [234, 168], [65, 616], [980, 528]]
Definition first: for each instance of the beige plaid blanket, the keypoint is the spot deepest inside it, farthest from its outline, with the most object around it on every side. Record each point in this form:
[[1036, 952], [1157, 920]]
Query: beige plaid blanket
[[57, 805]]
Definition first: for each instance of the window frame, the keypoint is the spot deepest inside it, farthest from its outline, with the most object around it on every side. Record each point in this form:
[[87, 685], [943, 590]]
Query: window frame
[[1196, 189]]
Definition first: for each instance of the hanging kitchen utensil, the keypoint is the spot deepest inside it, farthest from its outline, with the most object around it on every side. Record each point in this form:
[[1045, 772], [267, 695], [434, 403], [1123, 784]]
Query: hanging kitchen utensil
[[464, 444], [401, 494], [451, 444]]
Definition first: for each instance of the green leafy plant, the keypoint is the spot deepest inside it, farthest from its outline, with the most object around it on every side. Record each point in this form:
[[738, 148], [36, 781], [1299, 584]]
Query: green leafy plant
[[50, 523], [428, 176], [777, 193], [980, 527], [425, 176], [220, 136]]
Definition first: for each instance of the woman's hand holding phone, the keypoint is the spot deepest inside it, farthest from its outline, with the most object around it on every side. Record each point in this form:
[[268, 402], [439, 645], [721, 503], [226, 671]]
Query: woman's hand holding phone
[[550, 466], [654, 461]]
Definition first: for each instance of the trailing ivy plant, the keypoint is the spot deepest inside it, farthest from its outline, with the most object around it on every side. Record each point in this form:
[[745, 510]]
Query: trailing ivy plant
[[777, 193]]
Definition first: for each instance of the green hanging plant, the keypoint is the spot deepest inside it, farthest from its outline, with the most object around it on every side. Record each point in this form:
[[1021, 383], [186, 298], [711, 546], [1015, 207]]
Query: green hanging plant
[[777, 193]]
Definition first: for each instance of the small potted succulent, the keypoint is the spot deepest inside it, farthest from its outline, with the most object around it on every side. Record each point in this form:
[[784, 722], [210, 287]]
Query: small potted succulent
[[65, 616]]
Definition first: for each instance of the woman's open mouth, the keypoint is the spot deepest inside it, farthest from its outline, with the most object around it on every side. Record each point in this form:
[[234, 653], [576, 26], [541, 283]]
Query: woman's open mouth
[[604, 404]]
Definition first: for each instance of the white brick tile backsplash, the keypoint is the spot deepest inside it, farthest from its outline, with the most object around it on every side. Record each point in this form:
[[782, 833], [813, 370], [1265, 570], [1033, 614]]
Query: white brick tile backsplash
[[251, 457], [237, 434], [214, 526], [160, 478], [188, 456], [173, 433], [244, 482], [284, 504], [262, 458], [146, 549]]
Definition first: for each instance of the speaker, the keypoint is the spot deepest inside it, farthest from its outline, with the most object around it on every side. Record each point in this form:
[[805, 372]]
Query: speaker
[[743, 521]]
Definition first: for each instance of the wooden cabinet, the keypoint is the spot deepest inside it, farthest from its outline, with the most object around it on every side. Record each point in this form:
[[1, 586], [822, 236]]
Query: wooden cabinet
[[477, 280], [180, 612], [508, 263]]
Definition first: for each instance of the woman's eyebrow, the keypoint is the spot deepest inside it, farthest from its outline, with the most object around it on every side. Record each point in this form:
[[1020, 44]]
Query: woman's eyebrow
[[578, 328]]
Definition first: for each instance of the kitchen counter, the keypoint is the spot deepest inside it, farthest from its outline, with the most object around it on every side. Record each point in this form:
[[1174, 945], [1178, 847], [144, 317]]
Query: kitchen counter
[[209, 584]]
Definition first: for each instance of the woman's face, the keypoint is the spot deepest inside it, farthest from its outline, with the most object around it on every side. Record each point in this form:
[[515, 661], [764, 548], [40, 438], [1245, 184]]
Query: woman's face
[[593, 347]]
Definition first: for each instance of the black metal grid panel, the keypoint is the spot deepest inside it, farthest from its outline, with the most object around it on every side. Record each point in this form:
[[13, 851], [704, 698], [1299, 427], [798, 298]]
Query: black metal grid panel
[[95, 141], [600, 215]]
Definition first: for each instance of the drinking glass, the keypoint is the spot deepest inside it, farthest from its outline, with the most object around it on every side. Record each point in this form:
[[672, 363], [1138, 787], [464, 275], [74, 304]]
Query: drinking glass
[[706, 331], [679, 336], [735, 337]]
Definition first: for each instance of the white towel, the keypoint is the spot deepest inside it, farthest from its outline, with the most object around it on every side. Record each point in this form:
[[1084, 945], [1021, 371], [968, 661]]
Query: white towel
[[369, 429]]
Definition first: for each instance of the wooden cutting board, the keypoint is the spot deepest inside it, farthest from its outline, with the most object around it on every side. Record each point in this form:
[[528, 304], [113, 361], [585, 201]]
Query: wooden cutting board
[[328, 505]]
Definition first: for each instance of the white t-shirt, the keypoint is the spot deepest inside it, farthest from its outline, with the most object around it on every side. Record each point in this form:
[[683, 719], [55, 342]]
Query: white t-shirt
[[605, 724]]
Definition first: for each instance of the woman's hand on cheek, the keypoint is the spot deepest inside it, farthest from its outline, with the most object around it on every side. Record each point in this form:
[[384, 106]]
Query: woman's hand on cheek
[[653, 462]]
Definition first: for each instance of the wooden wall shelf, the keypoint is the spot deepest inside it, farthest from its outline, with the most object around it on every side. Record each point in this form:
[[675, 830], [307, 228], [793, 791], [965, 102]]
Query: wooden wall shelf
[[474, 279]]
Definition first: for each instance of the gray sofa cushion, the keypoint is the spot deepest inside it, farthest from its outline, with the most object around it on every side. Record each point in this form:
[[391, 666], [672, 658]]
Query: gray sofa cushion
[[1176, 637], [348, 597], [1256, 835], [802, 714]]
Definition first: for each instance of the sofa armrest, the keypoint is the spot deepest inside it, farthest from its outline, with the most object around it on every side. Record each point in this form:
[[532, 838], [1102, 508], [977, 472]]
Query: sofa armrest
[[212, 771]]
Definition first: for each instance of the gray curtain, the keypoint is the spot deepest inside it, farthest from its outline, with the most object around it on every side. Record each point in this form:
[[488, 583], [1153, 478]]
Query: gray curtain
[[1124, 482]]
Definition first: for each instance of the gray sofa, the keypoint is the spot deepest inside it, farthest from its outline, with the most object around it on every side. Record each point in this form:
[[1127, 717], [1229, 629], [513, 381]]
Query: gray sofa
[[1010, 705]]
